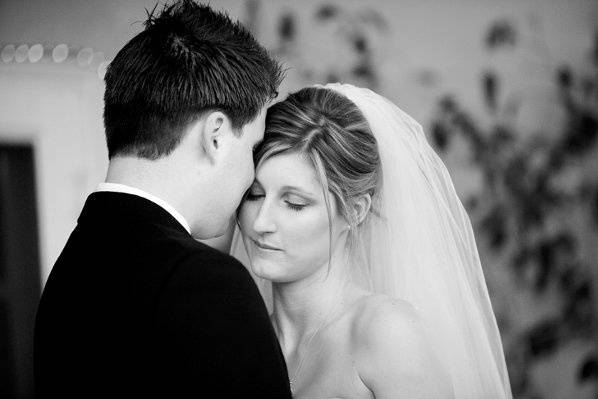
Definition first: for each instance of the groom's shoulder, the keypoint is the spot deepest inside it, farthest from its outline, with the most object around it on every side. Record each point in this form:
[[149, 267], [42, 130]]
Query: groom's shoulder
[[201, 264]]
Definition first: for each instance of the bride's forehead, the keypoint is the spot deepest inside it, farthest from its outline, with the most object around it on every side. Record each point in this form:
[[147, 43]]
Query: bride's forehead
[[284, 167]]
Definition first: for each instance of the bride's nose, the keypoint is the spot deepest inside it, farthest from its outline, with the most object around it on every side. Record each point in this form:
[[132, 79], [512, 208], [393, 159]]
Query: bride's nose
[[264, 222]]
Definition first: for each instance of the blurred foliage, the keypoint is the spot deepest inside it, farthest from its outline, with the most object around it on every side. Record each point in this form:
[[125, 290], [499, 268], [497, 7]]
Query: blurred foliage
[[352, 28], [528, 195]]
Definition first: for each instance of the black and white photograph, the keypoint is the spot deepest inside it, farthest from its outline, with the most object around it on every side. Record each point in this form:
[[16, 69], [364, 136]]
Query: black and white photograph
[[316, 199]]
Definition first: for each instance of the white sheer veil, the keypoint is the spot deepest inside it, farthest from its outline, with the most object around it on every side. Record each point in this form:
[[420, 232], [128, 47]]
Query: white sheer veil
[[418, 245]]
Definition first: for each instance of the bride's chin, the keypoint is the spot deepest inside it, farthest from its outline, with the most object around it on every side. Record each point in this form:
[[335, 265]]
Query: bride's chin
[[262, 271], [270, 274]]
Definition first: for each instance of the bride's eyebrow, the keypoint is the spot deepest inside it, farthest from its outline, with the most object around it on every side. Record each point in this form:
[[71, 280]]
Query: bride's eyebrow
[[295, 189], [298, 190]]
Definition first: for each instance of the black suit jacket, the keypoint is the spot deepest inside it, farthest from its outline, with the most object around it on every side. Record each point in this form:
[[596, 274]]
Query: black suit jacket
[[135, 307]]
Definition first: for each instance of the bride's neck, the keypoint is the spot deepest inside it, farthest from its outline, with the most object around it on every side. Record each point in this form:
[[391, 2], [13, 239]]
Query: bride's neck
[[304, 306]]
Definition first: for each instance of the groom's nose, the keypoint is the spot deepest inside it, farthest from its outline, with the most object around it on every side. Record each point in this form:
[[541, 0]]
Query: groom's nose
[[264, 223]]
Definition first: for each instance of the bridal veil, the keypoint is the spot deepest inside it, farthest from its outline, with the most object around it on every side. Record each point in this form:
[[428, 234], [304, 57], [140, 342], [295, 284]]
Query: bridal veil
[[418, 245]]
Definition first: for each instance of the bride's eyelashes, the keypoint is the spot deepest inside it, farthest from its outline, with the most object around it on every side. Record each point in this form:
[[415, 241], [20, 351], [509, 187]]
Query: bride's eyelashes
[[249, 196], [295, 203], [253, 193], [295, 207]]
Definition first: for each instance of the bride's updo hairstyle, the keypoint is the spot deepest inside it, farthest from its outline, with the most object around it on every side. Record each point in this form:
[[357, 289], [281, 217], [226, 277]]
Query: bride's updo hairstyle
[[329, 130]]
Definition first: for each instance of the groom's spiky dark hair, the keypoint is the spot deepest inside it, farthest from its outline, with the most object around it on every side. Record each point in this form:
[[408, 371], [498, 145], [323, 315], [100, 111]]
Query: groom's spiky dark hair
[[189, 59]]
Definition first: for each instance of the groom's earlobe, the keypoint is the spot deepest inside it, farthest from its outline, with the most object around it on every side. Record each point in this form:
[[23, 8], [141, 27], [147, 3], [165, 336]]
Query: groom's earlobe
[[212, 134]]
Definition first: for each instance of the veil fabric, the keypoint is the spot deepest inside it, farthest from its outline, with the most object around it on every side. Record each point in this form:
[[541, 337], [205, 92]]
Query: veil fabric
[[418, 245]]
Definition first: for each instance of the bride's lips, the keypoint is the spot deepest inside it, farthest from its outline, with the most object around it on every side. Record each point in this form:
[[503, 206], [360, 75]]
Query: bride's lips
[[265, 246]]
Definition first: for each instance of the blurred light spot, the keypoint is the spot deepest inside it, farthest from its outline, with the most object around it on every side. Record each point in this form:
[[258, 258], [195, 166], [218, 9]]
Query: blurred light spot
[[84, 56], [21, 53], [36, 52], [102, 69], [60, 53], [97, 58], [8, 53]]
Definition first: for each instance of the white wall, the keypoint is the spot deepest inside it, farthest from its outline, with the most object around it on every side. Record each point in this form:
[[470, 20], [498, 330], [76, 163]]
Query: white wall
[[58, 110]]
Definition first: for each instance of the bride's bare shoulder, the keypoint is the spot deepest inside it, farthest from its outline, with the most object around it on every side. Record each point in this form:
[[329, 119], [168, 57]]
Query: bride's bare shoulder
[[382, 323], [391, 350], [374, 311]]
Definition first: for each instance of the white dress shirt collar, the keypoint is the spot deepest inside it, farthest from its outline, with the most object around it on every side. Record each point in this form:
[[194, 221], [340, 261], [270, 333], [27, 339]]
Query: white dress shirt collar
[[122, 188]]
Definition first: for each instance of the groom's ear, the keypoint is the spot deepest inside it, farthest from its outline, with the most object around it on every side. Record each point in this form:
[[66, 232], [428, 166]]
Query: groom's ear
[[214, 129]]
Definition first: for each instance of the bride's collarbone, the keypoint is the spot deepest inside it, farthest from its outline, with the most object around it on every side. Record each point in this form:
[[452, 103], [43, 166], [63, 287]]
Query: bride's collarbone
[[331, 361], [329, 368]]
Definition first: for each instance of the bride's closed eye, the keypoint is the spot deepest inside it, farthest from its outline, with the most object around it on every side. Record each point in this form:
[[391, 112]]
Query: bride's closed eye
[[295, 203], [295, 207], [253, 195]]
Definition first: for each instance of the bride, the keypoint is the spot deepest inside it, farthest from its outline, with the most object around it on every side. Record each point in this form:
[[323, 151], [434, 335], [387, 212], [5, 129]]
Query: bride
[[366, 255]]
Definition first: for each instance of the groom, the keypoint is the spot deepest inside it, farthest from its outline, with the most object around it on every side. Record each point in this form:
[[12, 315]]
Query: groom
[[135, 307]]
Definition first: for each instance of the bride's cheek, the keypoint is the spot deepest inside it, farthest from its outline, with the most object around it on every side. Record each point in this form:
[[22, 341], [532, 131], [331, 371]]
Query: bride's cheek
[[309, 235], [246, 215]]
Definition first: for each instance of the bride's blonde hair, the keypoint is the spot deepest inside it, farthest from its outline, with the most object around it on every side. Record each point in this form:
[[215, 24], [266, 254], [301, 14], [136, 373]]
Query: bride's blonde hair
[[332, 133]]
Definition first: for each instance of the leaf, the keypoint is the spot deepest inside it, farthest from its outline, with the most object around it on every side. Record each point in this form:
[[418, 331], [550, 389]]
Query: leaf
[[360, 44], [440, 137], [588, 369], [544, 338], [286, 27], [500, 33], [326, 12], [564, 78], [490, 89]]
